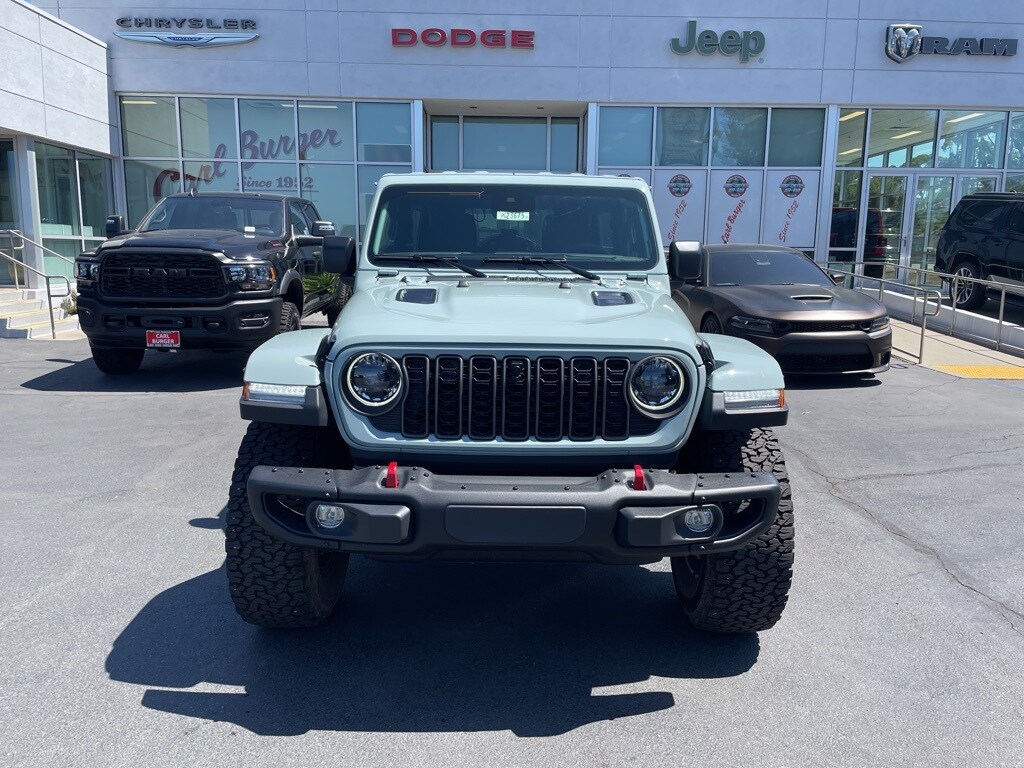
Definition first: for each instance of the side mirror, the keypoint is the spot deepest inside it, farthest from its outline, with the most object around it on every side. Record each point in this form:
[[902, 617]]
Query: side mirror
[[340, 256], [839, 278], [115, 226], [684, 260], [322, 229]]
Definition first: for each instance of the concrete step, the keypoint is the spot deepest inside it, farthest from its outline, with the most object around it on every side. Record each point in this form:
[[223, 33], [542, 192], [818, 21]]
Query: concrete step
[[40, 330], [8, 307], [28, 317]]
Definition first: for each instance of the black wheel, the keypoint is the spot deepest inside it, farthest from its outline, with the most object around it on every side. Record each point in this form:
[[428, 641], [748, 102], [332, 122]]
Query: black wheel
[[334, 308], [710, 324], [274, 583], [291, 319], [967, 295], [744, 590], [117, 362]]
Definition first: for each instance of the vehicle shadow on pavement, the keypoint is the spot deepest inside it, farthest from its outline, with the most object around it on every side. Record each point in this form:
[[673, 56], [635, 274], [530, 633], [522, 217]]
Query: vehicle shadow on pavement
[[795, 381], [429, 647], [193, 371]]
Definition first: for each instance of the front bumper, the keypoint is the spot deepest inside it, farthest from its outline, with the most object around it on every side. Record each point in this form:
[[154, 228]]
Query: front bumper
[[826, 353], [602, 518], [242, 324]]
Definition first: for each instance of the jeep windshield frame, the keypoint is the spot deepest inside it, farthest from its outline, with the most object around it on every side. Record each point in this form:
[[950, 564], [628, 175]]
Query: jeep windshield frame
[[227, 213], [601, 229]]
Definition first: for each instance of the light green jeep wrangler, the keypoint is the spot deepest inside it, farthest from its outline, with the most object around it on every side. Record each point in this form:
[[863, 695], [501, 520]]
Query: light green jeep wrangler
[[511, 380]]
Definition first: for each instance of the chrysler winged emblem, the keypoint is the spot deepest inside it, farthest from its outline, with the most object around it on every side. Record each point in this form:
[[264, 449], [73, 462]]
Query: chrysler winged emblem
[[198, 40], [902, 41]]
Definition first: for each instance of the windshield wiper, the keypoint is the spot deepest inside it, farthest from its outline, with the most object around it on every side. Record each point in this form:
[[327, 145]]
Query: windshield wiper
[[544, 261], [449, 261]]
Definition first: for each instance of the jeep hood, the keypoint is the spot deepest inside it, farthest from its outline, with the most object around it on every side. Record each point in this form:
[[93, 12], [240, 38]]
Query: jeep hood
[[498, 313]]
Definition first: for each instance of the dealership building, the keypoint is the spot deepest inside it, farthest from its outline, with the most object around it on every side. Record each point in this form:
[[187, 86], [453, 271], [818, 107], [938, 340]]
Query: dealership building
[[845, 129]]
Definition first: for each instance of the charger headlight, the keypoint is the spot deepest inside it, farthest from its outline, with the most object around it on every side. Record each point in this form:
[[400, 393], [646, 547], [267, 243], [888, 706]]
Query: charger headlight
[[752, 324], [656, 385], [373, 380], [877, 324]]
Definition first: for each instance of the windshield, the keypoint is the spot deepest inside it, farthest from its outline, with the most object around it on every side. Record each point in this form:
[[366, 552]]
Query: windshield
[[240, 214], [764, 268], [591, 227]]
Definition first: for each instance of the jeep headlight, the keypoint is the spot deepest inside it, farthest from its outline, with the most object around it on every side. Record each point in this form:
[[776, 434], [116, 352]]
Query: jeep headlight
[[657, 385], [373, 380], [252, 277], [86, 270]]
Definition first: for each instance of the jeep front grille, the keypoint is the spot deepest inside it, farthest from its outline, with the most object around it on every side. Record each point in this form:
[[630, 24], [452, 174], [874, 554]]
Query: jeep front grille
[[515, 398], [162, 276]]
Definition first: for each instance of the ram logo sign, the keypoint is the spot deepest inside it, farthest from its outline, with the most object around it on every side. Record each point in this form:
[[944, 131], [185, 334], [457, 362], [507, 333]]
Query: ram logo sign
[[904, 41]]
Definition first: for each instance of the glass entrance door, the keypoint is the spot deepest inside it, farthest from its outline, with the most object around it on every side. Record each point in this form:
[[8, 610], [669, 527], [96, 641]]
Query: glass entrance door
[[9, 218], [933, 196]]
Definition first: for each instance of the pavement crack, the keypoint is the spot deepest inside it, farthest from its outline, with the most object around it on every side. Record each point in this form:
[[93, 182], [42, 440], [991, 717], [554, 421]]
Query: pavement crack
[[1013, 618]]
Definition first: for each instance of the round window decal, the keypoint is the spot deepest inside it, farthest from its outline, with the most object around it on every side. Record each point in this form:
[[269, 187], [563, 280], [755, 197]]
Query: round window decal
[[735, 186], [792, 185], [679, 185]]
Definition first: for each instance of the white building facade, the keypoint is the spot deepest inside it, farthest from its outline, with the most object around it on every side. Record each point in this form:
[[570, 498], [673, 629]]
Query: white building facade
[[845, 129]]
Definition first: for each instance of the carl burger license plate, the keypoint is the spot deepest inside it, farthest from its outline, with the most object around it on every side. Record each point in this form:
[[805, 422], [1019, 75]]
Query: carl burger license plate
[[163, 339]]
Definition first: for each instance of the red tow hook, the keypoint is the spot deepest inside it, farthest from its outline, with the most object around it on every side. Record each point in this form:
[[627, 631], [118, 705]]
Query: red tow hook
[[391, 478], [639, 482]]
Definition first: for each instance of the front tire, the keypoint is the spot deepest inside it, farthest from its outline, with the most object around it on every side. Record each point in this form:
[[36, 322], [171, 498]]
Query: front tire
[[333, 311], [967, 295], [291, 318], [274, 583], [710, 324], [744, 590], [117, 362]]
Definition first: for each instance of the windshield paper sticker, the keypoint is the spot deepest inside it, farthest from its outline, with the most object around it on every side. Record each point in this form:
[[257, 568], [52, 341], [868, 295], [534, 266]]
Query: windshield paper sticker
[[512, 215]]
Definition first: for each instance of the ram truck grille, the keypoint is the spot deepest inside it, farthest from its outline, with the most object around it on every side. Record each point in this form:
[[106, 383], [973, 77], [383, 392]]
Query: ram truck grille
[[162, 276], [515, 398]]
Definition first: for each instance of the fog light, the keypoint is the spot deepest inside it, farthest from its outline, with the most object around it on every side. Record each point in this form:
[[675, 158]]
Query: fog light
[[699, 520], [329, 516]]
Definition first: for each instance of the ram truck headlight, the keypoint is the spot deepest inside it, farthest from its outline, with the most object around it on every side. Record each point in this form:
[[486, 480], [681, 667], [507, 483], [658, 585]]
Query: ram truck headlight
[[87, 270], [751, 324], [755, 398], [253, 277], [656, 385], [373, 380]]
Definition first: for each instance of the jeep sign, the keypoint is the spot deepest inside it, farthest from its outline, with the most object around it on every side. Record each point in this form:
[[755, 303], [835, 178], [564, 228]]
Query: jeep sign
[[904, 41], [708, 42]]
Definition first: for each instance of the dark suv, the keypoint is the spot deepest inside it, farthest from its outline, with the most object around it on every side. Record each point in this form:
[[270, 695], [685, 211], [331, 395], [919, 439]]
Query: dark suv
[[983, 238], [209, 271]]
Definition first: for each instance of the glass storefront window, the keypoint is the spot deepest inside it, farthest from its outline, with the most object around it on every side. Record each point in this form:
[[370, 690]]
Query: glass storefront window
[[895, 132], [683, 136], [69, 249], [208, 128], [8, 187], [96, 191], [624, 136], [267, 129], [211, 175], [504, 143], [332, 189], [796, 138], [565, 144], [739, 137], [325, 131], [383, 133], [149, 126], [369, 175], [1016, 153], [58, 194], [852, 123], [1014, 182], [148, 182], [444, 143], [276, 178], [971, 139], [845, 211]]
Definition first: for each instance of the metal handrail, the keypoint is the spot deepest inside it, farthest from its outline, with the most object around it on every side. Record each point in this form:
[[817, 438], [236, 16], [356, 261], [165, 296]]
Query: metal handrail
[[930, 295], [17, 233], [955, 281], [47, 278]]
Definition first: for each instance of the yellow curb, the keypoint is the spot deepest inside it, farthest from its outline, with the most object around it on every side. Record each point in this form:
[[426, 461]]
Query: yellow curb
[[983, 371]]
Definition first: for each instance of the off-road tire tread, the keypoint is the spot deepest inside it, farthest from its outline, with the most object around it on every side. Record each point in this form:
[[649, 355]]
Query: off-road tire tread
[[335, 307], [746, 590], [274, 583], [117, 362], [291, 319]]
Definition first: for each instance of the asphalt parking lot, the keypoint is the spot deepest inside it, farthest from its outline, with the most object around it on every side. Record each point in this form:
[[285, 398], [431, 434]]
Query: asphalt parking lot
[[903, 643]]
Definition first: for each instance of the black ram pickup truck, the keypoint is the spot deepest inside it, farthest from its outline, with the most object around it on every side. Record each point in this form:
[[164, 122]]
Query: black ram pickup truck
[[204, 271]]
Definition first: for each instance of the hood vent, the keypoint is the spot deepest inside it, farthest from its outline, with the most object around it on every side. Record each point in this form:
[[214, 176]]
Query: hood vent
[[813, 297], [417, 295], [611, 298]]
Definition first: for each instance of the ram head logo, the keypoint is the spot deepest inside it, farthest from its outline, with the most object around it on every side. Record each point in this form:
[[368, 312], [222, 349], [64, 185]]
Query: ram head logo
[[902, 41]]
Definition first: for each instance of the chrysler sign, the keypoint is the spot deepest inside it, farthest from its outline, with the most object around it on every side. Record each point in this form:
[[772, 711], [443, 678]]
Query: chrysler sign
[[182, 31], [904, 41]]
